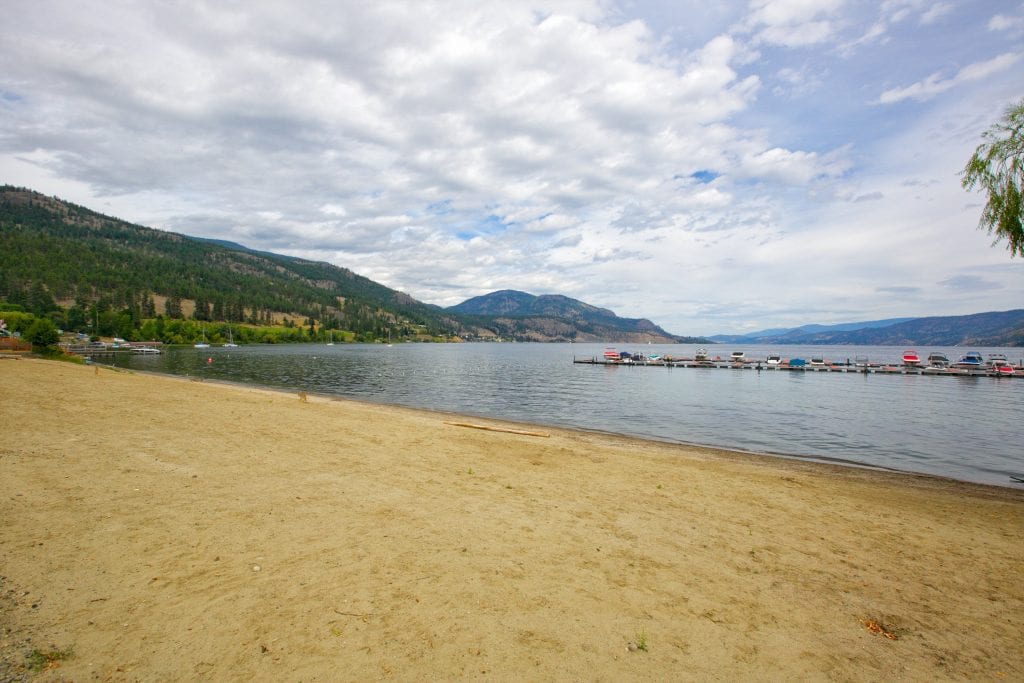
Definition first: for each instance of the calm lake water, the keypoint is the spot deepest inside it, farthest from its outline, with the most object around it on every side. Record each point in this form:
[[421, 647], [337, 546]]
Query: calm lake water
[[967, 428]]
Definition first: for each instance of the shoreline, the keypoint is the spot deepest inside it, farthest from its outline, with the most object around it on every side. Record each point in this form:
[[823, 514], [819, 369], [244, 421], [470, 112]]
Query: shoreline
[[165, 527], [823, 460]]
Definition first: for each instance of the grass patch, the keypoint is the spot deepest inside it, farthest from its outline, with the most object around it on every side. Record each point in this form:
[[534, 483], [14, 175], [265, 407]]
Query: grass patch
[[39, 660]]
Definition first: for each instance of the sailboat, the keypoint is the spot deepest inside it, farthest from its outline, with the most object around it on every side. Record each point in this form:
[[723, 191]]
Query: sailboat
[[331, 340], [203, 344], [231, 340]]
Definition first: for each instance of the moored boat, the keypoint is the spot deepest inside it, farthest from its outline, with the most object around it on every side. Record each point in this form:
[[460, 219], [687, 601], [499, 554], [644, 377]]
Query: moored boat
[[611, 354], [774, 359], [937, 360], [998, 363], [737, 356], [911, 358], [971, 359], [203, 344], [701, 355]]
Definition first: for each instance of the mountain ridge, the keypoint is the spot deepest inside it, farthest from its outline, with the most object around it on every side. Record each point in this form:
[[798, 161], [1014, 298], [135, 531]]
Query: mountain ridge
[[990, 328], [555, 317]]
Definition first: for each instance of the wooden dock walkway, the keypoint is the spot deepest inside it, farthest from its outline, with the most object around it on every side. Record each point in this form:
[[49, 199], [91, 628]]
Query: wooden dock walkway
[[760, 365]]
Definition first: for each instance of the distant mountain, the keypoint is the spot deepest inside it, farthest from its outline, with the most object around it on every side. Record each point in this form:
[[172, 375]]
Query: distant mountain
[[761, 336], [552, 317], [997, 328]]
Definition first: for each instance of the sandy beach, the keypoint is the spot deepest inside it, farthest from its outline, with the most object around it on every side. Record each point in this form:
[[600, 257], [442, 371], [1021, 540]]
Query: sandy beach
[[161, 529]]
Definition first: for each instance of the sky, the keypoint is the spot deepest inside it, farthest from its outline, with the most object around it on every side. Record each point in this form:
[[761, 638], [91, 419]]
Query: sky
[[716, 167]]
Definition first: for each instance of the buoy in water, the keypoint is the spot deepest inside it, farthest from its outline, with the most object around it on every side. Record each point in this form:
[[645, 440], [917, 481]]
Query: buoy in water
[[209, 360]]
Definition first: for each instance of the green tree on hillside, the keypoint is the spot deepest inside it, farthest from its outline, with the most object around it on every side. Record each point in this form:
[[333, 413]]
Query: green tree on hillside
[[997, 167]]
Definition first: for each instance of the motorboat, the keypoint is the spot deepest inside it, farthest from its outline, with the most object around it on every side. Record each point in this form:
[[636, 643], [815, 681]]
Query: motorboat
[[774, 359], [818, 360], [611, 354], [971, 359], [797, 362], [937, 360], [701, 355], [737, 356], [997, 359], [998, 363], [911, 358]]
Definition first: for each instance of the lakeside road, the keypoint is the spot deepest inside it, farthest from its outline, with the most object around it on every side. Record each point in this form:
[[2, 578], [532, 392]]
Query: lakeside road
[[167, 529]]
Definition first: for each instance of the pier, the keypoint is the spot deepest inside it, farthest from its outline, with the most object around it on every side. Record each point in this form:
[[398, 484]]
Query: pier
[[760, 365]]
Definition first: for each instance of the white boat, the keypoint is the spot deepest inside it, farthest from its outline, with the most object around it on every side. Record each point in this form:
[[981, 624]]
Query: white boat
[[737, 356], [701, 356], [231, 341], [774, 359], [997, 359], [818, 360], [937, 360]]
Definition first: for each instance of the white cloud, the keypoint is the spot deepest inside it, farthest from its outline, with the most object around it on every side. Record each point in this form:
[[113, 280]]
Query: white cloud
[[936, 84], [1003, 22], [935, 12], [792, 23]]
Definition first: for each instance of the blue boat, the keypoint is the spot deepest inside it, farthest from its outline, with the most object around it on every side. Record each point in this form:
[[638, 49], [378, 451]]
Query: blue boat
[[971, 359], [797, 362]]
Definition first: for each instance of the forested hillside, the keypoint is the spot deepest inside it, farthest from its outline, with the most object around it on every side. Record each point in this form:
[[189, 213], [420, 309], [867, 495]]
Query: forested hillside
[[103, 269]]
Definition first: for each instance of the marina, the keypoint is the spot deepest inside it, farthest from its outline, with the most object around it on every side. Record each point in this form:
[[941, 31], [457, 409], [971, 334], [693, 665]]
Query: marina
[[911, 365]]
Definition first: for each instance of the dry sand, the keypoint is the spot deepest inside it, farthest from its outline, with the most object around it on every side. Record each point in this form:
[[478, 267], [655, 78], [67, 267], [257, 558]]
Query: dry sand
[[166, 529]]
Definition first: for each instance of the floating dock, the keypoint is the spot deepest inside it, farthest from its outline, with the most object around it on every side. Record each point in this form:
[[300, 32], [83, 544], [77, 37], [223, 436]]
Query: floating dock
[[760, 365]]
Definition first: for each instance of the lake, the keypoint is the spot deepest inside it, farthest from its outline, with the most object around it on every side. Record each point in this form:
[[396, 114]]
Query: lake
[[967, 428]]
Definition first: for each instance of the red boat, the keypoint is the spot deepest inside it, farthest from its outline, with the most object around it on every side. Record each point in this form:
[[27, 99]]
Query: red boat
[[910, 357], [611, 354]]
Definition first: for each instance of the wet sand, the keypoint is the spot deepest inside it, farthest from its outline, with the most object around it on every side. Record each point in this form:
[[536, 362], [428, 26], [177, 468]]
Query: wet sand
[[166, 529]]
